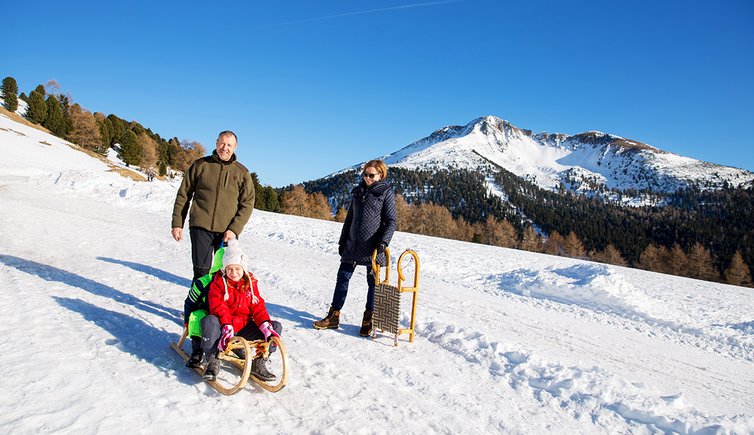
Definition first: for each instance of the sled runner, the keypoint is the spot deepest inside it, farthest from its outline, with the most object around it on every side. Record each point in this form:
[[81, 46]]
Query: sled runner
[[228, 380], [387, 298]]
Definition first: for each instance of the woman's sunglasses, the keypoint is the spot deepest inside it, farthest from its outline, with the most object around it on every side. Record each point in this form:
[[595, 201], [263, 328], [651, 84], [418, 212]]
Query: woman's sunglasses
[[368, 175]]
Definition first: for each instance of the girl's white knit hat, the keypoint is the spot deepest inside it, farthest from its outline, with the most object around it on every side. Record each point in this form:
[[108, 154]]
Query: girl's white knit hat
[[234, 254]]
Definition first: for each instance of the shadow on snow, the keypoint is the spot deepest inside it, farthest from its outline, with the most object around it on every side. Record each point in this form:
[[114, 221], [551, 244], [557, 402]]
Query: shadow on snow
[[135, 337], [54, 274], [149, 270]]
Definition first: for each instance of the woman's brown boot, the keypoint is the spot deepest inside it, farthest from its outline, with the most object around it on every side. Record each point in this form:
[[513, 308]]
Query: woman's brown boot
[[331, 321], [366, 324]]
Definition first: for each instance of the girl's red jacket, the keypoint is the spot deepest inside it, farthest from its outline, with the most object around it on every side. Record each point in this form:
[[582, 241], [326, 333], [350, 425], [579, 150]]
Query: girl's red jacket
[[237, 303]]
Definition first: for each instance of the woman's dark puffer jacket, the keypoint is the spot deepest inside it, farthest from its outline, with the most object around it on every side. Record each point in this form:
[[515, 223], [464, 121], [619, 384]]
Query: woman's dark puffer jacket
[[370, 220]]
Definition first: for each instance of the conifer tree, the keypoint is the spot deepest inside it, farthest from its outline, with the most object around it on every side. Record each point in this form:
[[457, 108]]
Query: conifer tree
[[498, 233], [174, 147], [700, 264], [130, 151], [466, 231], [104, 130], [84, 130], [10, 93], [148, 151], [340, 216], [530, 240], [402, 212], [573, 247], [294, 201], [118, 128], [187, 154], [318, 207], [665, 261], [652, 258], [259, 199], [555, 244], [738, 273], [23, 97], [610, 255], [677, 262], [434, 220], [272, 201], [55, 121], [65, 106], [37, 109], [261, 203]]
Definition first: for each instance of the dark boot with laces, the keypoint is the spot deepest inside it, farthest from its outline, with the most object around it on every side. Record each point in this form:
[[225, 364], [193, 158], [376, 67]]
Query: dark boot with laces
[[331, 321], [366, 324], [195, 360], [212, 370], [259, 370]]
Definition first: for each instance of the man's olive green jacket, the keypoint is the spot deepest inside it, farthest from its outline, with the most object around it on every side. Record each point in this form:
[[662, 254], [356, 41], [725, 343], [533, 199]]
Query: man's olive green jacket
[[221, 195]]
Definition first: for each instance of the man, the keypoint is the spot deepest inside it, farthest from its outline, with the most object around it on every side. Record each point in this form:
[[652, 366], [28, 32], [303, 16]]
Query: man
[[221, 194]]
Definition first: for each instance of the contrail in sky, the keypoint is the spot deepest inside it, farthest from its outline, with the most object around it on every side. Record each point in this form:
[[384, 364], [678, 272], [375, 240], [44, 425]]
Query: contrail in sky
[[370, 11]]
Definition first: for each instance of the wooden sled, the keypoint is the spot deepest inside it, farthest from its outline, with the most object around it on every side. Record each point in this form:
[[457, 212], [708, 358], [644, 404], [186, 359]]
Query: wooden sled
[[387, 298], [228, 381]]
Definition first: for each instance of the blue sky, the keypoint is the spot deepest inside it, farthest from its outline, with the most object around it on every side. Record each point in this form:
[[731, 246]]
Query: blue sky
[[311, 87]]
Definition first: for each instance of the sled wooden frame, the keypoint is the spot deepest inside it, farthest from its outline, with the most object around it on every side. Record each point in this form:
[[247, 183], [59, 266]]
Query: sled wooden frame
[[261, 348], [376, 268]]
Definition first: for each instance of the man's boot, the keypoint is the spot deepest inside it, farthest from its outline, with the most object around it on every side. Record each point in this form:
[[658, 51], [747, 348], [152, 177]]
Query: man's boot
[[195, 360], [366, 324], [331, 321]]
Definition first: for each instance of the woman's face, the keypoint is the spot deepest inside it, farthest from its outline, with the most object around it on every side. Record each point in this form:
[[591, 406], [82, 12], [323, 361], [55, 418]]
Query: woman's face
[[370, 175]]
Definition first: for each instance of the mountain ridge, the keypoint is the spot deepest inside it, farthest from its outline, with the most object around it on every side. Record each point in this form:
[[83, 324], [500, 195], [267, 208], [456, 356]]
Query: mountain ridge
[[593, 158]]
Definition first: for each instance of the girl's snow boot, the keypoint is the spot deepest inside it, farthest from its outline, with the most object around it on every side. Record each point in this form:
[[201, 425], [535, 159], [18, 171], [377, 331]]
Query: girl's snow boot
[[259, 370]]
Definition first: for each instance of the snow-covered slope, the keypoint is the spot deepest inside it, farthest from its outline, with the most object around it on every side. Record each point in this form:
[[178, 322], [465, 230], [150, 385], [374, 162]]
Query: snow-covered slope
[[584, 161], [507, 341]]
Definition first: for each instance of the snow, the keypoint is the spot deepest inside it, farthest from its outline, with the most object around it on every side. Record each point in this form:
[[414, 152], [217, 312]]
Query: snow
[[506, 341]]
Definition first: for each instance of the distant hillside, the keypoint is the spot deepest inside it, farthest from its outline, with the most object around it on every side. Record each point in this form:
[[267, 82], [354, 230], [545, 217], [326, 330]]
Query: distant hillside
[[605, 189]]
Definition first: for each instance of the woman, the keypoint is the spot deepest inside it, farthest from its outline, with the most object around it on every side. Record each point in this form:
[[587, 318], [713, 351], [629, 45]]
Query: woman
[[369, 225]]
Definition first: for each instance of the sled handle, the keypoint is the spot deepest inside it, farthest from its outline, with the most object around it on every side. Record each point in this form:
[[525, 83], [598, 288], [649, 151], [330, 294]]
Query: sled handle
[[402, 277], [376, 267]]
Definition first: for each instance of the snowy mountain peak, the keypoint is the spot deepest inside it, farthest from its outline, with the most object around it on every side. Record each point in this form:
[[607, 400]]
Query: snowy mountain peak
[[580, 162]]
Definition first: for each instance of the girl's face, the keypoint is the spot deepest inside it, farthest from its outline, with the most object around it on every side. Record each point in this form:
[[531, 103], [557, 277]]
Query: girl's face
[[234, 272]]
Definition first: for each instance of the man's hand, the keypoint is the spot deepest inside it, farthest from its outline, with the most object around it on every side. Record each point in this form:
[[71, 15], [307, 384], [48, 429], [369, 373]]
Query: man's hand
[[177, 234], [229, 235]]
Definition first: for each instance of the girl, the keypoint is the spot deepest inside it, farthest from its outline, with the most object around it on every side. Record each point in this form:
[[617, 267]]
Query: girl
[[236, 308]]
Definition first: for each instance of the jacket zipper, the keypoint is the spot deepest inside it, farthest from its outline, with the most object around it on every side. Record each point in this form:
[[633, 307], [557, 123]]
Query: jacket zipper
[[217, 193]]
